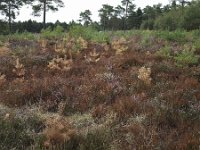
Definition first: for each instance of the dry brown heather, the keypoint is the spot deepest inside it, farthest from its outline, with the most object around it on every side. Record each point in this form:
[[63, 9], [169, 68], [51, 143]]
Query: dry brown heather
[[105, 96]]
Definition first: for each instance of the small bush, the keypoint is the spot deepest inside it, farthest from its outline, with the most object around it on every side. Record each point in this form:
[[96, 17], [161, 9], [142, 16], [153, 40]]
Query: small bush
[[23, 36], [164, 52], [97, 140], [16, 133], [80, 31], [50, 33], [186, 57], [89, 33], [176, 36]]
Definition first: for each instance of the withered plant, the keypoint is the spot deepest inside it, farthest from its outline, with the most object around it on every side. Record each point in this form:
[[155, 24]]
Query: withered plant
[[119, 45], [2, 79], [57, 131], [93, 57], [83, 44], [60, 64], [144, 75], [19, 71]]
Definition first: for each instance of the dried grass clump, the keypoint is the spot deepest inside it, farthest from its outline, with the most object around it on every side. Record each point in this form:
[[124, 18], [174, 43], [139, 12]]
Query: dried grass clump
[[124, 108], [119, 45], [139, 136], [82, 43], [2, 79], [4, 50], [57, 132], [105, 46], [61, 64], [60, 47], [19, 71], [144, 75], [99, 111], [61, 108], [93, 57], [43, 44]]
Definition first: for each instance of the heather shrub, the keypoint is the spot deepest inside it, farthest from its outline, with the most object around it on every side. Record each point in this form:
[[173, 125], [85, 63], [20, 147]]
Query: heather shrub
[[15, 133], [98, 139]]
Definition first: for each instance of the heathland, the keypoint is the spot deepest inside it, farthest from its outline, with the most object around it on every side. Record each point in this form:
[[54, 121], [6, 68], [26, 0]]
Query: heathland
[[93, 90]]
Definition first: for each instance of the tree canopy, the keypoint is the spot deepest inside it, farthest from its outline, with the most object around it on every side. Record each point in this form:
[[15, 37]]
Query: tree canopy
[[10, 8], [85, 17], [178, 14], [43, 6]]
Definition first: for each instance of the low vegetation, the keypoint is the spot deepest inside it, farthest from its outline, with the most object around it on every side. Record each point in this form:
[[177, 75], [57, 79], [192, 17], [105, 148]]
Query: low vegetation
[[90, 90]]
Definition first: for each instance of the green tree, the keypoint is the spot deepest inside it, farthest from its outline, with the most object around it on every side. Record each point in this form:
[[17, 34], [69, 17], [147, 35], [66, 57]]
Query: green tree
[[139, 18], [128, 4], [85, 17], [171, 20], [106, 13], [10, 8], [192, 16], [40, 6], [174, 5], [129, 10], [119, 12], [3, 27], [150, 14], [183, 2], [118, 18]]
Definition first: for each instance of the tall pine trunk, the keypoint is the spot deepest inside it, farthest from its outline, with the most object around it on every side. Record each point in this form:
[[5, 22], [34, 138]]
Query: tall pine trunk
[[125, 19], [9, 17], [44, 14]]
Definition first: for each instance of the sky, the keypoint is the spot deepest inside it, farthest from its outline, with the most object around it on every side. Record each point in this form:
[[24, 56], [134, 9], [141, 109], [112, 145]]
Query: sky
[[72, 9]]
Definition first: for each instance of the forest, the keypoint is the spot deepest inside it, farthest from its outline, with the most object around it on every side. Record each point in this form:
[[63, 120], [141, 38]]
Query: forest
[[128, 82]]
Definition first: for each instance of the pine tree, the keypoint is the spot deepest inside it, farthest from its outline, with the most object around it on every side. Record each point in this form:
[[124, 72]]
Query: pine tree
[[40, 6], [10, 8]]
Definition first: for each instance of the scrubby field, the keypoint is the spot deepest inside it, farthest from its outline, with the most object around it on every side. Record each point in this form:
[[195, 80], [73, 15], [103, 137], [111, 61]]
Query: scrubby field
[[90, 90]]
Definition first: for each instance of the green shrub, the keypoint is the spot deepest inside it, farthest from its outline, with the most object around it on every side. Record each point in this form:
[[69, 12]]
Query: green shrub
[[22, 36], [186, 57], [77, 31], [100, 37], [197, 44], [196, 34], [50, 33], [147, 38], [89, 33], [164, 52], [176, 36], [147, 24]]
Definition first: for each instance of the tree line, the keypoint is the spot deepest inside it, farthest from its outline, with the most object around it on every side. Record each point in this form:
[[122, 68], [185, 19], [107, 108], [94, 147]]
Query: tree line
[[179, 14]]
